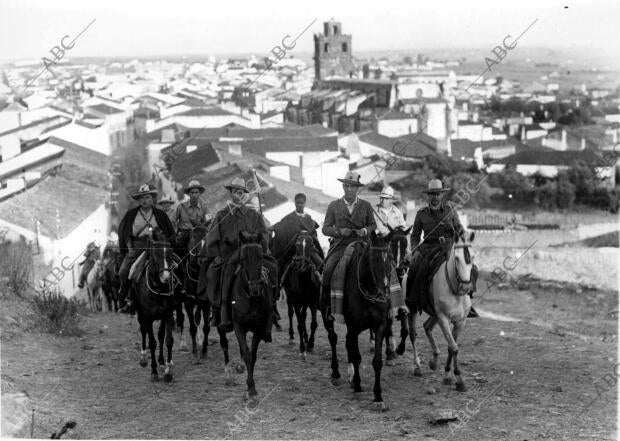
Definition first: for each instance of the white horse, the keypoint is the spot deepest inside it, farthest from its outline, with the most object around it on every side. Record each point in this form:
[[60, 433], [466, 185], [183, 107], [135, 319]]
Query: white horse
[[94, 281], [448, 290]]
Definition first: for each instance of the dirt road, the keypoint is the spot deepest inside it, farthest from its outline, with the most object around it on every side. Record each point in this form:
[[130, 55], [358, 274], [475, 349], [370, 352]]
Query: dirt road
[[526, 381]]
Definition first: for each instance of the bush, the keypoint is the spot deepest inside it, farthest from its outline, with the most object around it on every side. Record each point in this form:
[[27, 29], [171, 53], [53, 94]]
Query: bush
[[16, 263], [56, 314]]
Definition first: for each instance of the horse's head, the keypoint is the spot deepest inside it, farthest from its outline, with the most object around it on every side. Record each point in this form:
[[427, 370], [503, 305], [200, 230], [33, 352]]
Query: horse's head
[[398, 243], [251, 255], [380, 261], [464, 260], [304, 247], [197, 240], [159, 256]]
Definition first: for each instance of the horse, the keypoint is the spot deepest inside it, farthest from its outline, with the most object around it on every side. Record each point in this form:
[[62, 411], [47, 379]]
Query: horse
[[251, 305], [111, 281], [366, 305], [197, 309], [301, 281], [398, 248], [93, 286], [448, 290], [155, 301]]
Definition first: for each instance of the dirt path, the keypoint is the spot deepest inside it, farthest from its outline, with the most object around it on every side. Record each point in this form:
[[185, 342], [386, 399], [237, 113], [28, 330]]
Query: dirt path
[[525, 382]]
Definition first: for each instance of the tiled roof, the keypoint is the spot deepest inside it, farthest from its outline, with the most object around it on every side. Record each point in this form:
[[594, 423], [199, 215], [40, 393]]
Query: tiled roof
[[305, 144], [43, 121], [553, 157], [205, 111], [187, 165], [105, 109]]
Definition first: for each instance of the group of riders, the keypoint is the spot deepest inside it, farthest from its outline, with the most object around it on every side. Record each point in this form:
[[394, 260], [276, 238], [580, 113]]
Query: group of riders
[[347, 219]]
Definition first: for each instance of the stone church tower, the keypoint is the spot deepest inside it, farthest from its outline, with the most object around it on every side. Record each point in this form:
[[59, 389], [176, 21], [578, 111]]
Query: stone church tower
[[332, 53]]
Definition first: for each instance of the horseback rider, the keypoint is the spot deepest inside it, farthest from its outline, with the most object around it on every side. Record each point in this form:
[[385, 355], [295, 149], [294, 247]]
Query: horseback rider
[[440, 224], [166, 204], [190, 214], [387, 213], [304, 222], [220, 256], [346, 218], [91, 255], [133, 232]]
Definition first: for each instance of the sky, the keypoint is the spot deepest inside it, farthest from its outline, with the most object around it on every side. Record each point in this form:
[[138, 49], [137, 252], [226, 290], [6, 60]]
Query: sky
[[127, 28]]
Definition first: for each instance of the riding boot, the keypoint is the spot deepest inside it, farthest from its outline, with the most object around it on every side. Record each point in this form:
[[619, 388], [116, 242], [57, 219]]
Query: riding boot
[[326, 303], [125, 292], [82, 281], [215, 313]]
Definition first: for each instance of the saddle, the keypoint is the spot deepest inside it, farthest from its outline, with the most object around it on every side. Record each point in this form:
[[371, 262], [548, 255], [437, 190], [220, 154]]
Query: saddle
[[138, 267]]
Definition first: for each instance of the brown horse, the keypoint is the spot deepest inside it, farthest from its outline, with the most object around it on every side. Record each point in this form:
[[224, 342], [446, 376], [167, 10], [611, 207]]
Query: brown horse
[[366, 305], [111, 281], [251, 302], [302, 283], [448, 290], [155, 301]]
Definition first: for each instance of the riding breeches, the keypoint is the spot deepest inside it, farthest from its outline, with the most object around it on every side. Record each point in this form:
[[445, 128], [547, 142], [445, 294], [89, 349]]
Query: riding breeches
[[328, 269]]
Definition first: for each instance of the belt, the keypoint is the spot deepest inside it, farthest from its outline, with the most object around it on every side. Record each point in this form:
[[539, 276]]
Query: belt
[[435, 240]]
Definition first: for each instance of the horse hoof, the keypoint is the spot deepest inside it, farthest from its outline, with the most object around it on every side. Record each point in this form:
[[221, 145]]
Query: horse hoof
[[291, 341], [381, 406], [143, 363], [154, 378], [390, 362], [433, 365], [417, 372], [460, 387], [337, 381], [447, 381], [196, 360], [310, 349], [251, 397], [203, 355], [400, 350], [161, 362], [240, 368], [168, 378]]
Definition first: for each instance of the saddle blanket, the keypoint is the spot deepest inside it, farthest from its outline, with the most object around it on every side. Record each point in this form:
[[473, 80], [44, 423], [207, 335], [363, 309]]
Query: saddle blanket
[[397, 300]]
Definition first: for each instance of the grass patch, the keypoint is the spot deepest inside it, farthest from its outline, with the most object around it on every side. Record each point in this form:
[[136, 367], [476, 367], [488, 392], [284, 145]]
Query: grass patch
[[53, 313]]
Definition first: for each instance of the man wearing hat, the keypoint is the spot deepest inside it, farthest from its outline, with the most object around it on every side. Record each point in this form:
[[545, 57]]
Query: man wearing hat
[[346, 218], [387, 213], [222, 251], [133, 232], [166, 204], [91, 255], [300, 220], [190, 214], [440, 224]]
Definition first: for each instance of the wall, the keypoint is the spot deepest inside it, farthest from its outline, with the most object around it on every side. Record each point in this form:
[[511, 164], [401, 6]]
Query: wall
[[397, 127]]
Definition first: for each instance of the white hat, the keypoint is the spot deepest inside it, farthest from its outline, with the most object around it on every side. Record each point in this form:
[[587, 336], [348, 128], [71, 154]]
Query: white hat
[[387, 192]]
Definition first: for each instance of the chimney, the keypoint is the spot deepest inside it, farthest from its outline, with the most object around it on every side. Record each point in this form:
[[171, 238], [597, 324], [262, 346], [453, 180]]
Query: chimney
[[583, 143], [564, 145], [523, 133], [614, 136]]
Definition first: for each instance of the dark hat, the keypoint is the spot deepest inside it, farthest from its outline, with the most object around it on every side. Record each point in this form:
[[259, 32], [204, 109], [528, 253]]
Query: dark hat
[[300, 196], [435, 186], [144, 190], [194, 184]]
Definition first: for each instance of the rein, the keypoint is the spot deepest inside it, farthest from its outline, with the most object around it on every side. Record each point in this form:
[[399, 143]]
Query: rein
[[254, 286], [366, 294]]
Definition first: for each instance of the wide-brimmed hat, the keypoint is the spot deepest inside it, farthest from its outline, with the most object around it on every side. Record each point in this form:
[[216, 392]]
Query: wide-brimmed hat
[[194, 184], [435, 186], [144, 190], [352, 178], [166, 199], [387, 193], [237, 184]]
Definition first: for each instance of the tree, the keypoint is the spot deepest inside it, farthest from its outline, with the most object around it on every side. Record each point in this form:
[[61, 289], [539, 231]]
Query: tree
[[583, 177]]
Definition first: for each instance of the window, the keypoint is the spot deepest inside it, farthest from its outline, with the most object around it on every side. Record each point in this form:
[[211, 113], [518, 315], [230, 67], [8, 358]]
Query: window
[[326, 48], [344, 47], [336, 30]]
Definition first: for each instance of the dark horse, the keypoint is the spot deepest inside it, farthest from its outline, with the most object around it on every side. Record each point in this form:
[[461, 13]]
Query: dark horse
[[366, 306], [398, 249], [196, 309], [302, 283], [155, 301], [251, 302], [111, 280]]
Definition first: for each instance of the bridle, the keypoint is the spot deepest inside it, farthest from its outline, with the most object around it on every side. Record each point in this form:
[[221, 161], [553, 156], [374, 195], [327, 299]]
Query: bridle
[[462, 286], [366, 294], [173, 280], [254, 285]]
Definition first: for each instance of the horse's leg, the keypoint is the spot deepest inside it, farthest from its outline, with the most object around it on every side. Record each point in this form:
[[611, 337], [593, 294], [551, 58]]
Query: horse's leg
[[169, 327], [429, 324], [313, 326], [377, 364], [193, 329], [333, 341], [143, 331], [246, 355], [205, 309], [460, 384], [453, 349], [289, 304], [400, 350], [354, 358], [390, 355], [180, 323], [152, 347], [417, 369], [228, 369], [371, 340], [300, 315], [161, 334], [251, 385]]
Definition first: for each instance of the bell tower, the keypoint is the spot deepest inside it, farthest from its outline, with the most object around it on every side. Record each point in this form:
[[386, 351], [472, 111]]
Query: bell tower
[[332, 52]]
